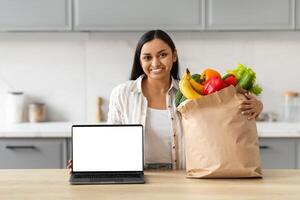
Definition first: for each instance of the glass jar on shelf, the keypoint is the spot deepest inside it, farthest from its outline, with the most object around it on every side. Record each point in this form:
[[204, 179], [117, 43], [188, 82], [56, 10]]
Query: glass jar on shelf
[[291, 106]]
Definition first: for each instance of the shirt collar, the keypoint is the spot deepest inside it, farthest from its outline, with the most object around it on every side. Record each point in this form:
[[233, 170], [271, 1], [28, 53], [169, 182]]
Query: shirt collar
[[138, 84]]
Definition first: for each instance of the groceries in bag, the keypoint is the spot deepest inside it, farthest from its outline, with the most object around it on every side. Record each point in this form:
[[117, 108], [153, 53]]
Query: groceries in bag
[[209, 81]]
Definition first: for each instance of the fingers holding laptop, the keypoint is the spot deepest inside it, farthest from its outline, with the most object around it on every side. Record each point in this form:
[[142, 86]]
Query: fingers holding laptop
[[69, 166]]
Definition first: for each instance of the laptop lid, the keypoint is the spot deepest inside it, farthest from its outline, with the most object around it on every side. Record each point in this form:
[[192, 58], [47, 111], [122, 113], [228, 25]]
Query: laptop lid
[[107, 148]]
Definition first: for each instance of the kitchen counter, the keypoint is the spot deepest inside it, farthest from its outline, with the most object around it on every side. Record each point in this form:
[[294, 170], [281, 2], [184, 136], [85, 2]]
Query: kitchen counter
[[53, 184], [42, 129], [63, 129], [278, 129]]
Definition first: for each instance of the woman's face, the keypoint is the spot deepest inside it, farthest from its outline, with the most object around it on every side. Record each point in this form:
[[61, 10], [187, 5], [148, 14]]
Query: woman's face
[[157, 59]]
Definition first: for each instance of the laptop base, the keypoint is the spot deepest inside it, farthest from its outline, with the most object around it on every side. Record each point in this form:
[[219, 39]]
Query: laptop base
[[74, 180]]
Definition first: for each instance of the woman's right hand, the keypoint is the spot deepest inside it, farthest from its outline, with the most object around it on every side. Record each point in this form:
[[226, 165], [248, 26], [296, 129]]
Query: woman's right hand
[[69, 166]]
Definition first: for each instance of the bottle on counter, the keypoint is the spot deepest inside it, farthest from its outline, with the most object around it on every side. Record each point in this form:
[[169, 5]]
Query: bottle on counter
[[99, 110], [291, 106], [14, 107]]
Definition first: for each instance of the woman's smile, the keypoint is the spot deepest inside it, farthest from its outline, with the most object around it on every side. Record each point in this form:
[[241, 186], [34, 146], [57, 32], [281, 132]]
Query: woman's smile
[[156, 70]]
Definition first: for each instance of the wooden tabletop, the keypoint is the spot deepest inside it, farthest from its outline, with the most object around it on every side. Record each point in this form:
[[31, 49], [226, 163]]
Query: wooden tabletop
[[53, 184]]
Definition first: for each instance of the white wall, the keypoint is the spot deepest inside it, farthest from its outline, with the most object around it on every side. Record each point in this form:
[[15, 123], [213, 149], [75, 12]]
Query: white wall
[[68, 71], [50, 69]]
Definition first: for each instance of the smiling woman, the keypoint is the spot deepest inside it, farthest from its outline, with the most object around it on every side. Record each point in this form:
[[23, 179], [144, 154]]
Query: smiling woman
[[148, 99]]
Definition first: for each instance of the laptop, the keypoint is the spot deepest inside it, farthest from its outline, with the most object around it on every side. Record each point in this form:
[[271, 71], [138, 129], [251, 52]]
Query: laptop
[[107, 154]]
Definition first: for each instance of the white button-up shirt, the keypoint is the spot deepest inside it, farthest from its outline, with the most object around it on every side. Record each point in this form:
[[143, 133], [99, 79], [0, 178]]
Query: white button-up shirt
[[128, 105]]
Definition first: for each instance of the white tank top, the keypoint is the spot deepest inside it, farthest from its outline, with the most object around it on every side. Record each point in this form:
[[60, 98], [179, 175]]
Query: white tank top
[[158, 137]]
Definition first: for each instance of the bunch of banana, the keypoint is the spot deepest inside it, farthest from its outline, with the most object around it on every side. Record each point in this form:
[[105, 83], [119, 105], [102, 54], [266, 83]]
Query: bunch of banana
[[196, 83], [189, 88]]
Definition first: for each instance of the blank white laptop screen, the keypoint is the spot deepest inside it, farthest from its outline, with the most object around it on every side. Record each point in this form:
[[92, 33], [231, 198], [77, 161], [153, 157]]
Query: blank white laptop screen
[[107, 148]]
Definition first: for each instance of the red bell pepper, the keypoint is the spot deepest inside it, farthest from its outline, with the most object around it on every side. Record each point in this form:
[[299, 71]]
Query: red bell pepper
[[213, 85], [230, 79]]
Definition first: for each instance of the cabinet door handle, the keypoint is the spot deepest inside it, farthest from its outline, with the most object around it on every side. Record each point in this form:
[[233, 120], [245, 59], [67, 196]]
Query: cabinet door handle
[[20, 147], [264, 147]]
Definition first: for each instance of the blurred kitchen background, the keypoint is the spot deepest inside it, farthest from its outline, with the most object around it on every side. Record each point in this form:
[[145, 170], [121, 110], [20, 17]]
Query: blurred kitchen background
[[65, 54], [68, 71]]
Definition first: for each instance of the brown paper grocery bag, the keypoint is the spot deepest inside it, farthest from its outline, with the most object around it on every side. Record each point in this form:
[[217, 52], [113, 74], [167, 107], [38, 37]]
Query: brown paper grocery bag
[[220, 142]]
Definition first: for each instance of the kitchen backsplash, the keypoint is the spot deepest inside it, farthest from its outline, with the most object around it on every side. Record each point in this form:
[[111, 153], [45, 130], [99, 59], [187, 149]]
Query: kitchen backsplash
[[68, 71]]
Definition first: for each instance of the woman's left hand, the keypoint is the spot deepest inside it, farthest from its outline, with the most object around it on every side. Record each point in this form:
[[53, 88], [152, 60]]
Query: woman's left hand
[[251, 107]]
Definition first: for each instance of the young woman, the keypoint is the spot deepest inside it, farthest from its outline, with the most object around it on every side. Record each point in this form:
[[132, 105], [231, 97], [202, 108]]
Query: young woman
[[148, 98]]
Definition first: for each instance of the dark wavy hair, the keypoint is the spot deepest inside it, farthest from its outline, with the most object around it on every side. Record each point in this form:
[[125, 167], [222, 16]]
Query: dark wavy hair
[[137, 69]]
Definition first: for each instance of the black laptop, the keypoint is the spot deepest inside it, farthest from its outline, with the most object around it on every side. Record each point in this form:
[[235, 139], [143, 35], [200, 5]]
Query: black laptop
[[107, 154]]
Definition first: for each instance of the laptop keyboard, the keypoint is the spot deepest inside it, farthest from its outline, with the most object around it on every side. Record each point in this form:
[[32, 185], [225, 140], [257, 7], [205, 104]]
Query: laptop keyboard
[[99, 176]]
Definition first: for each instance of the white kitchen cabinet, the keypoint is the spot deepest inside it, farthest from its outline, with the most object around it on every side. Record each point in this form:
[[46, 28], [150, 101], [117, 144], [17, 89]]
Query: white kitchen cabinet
[[30, 153], [297, 14], [94, 15], [278, 153], [35, 15], [298, 154], [250, 15], [69, 153]]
